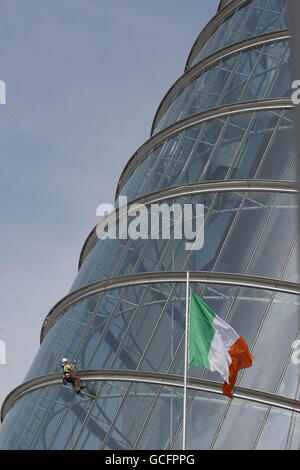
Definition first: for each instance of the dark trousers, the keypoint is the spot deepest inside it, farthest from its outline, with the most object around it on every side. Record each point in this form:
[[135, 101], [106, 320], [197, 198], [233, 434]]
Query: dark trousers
[[74, 379]]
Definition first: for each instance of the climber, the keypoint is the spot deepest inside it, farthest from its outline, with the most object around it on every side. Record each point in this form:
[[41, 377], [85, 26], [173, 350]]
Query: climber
[[69, 376]]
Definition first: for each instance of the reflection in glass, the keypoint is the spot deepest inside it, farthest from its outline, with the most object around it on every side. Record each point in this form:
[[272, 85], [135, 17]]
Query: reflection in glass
[[240, 426], [254, 18], [281, 431]]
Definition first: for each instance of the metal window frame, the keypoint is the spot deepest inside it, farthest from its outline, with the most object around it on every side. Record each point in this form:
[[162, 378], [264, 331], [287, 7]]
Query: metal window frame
[[107, 375], [184, 190], [259, 282], [208, 62], [222, 14], [222, 111]]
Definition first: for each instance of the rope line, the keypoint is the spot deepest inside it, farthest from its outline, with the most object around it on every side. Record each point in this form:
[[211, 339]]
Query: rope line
[[72, 431]]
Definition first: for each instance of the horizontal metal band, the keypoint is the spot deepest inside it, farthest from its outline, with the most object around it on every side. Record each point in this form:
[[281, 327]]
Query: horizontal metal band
[[257, 282], [184, 190], [221, 15], [221, 4], [215, 113], [258, 396], [208, 62]]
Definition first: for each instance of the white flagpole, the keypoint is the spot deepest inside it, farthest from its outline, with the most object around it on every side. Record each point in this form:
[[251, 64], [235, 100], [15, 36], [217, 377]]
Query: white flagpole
[[185, 359]]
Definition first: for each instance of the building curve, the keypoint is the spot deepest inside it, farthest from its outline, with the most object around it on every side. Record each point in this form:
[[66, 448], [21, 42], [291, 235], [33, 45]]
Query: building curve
[[223, 138]]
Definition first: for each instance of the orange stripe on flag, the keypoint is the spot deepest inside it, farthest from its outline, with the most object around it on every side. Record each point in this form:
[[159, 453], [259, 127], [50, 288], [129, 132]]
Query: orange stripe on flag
[[241, 358]]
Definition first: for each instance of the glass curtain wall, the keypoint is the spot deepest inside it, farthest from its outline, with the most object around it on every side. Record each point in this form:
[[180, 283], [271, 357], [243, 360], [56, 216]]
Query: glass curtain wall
[[128, 339]]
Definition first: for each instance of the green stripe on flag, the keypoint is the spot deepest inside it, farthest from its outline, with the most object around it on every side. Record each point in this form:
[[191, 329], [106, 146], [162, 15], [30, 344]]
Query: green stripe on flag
[[201, 331]]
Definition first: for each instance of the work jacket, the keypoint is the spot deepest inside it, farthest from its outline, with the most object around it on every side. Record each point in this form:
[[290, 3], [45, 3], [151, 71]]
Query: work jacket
[[67, 370]]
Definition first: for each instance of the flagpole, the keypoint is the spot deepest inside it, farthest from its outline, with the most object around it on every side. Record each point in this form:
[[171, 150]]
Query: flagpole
[[185, 359]]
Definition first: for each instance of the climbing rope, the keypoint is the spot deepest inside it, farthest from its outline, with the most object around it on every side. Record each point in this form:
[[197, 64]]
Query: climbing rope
[[72, 431]]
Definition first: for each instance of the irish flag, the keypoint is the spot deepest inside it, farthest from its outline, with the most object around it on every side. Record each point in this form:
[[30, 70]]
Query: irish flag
[[213, 344]]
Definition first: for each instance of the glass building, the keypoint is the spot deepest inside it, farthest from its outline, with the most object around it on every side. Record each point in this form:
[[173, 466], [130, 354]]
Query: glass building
[[223, 136]]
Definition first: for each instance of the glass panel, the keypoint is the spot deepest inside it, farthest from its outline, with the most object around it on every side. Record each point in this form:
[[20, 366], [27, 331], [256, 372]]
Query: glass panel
[[269, 21], [239, 77], [67, 421], [292, 271], [249, 26], [178, 159], [140, 175], [131, 416], [255, 18], [281, 431], [51, 420], [289, 383], [9, 431], [280, 327], [236, 147], [265, 73], [203, 417], [227, 147], [160, 351], [161, 163], [253, 74], [277, 5], [183, 104], [99, 349], [253, 212], [84, 270], [282, 83], [280, 231], [218, 78], [165, 417], [33, 418], [247, 312], [241, 425], [216, 225], [233, 31], [229, 218], [281, 153], [170, 111], [98, 421], [253, 147], [53, 348], [141, 328], [46, 353], [284, 21], [220, 35], [101, 252], [292, 176], [202, 151]]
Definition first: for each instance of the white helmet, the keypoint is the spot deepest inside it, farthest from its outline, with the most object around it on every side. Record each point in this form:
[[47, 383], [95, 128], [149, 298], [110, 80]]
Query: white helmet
[[64, 360]]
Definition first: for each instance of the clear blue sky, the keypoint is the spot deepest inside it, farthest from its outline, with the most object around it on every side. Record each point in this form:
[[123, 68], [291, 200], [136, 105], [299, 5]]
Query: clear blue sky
[[84, 79]]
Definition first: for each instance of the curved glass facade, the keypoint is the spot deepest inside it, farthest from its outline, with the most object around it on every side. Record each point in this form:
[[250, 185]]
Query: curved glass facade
[[144, 416], [241, 146], [130, 329], [251, 19], [246, 251], [257, 73], [130, 338], [223, 3]]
